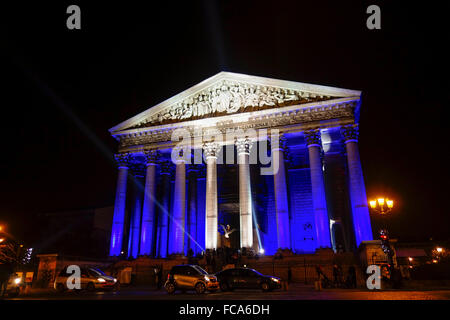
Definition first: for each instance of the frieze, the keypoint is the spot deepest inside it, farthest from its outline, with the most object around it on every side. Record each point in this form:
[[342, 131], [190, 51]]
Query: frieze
[[227, 97], [291, 117]]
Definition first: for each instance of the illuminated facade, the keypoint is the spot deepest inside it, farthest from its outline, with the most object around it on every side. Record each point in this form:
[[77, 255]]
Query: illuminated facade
[[279, 163]]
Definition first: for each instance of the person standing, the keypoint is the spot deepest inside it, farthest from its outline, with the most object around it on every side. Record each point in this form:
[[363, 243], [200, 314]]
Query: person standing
[[289, 275], [159, 277]]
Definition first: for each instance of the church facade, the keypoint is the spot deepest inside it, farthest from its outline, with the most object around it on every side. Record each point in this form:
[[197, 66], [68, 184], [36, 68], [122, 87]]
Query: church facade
[[244, 162]]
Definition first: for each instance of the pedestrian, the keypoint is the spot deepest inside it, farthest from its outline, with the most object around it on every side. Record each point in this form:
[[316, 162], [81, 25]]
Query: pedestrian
[[289, 274], [335, 275], [156, 272], [160, 275], [190, 255], [351, 277], [213, 264]]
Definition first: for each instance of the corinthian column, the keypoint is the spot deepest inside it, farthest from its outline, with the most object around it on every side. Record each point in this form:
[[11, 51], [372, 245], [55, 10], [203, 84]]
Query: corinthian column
[[148, 211], [318, 189], [164, 220], [358, 198], [281, 199], [243, 146], [136, 211], [192, 208], [119, 205], [176, 236], [211, 149]]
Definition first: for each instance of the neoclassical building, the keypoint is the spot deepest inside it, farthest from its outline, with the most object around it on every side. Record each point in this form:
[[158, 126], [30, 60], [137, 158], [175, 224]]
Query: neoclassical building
[[277, 161]]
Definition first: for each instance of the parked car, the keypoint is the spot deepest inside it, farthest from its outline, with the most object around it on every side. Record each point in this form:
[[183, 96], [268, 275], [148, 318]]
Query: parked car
[[91, 279], [190, 277], [246, 278], [14, 284]]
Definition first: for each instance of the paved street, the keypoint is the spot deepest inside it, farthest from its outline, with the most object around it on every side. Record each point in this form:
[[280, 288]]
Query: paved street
[[295, 292]]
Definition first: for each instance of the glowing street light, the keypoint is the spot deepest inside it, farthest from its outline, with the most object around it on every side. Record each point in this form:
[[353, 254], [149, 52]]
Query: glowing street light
[[2, 239], [439, 249], [382, 205]]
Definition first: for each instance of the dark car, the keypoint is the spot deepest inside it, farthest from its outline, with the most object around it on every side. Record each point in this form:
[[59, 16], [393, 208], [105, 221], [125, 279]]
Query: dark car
[[246, 278]]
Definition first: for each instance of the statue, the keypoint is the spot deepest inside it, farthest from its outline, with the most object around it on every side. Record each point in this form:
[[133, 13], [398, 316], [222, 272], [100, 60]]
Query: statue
[[227, 231]]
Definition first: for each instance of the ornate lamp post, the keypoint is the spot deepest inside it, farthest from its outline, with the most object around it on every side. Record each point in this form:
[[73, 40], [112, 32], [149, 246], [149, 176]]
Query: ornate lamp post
[[383, 207]]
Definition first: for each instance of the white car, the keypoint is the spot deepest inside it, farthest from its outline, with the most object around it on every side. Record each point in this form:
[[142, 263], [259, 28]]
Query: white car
[[91, 279]]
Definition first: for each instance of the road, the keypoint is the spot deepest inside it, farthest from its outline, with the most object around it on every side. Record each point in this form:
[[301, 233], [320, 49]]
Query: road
[[295, 292]]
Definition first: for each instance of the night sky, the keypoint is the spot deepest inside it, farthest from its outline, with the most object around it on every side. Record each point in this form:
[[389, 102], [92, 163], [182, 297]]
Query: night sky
[[63, 90]]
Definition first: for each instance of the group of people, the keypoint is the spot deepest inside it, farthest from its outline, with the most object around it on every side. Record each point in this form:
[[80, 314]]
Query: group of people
[[338, 277]]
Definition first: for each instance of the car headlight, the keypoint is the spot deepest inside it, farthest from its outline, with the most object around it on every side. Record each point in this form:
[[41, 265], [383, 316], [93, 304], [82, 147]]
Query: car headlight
[[115, 280], [207, 278], [101, 280], [17, 280], [275, 279]]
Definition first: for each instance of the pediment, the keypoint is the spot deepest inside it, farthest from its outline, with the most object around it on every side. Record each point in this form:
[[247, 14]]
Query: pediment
[[230, 93]]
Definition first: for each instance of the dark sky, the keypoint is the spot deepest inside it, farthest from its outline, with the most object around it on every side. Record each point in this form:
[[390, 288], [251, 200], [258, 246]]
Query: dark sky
[[66, 88]]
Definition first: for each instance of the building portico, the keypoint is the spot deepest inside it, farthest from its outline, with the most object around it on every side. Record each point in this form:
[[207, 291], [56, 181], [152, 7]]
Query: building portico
[[295, 170]]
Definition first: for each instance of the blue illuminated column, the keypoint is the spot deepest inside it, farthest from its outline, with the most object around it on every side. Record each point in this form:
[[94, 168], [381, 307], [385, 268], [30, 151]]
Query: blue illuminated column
[[278, 145], [148, 211], [176, 235], [163, 222], [358, 198], [119, 205], [210, 150], [243, 146], [136, 212], [321, 219], [192, 212]]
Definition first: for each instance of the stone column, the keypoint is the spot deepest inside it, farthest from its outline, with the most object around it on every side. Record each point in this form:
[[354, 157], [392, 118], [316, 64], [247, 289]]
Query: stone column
[[164, 219], [211, 149], [280, 190], [243, 146], [136, 212], [318, 189], [192, 209], [176, 236], [358, 198], [148, 211], [119, 205]]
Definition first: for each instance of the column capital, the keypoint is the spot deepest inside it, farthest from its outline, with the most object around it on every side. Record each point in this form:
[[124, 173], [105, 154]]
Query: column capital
[[194, 168], [282, 142], [123, 159], [313, 138], [211, 149], [350, 133], [165, 167], [180, 154], [243, 145], [138, 169], [151, 156]]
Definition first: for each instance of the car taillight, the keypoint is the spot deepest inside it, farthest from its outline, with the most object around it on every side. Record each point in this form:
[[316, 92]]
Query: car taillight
[[168, 276]]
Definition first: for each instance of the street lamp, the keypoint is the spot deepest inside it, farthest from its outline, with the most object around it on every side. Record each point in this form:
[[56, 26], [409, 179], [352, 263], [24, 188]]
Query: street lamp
[[383, 206]]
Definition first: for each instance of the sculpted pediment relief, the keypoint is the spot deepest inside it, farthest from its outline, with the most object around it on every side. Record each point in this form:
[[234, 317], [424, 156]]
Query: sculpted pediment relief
[[228, 93], [229, 97]]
